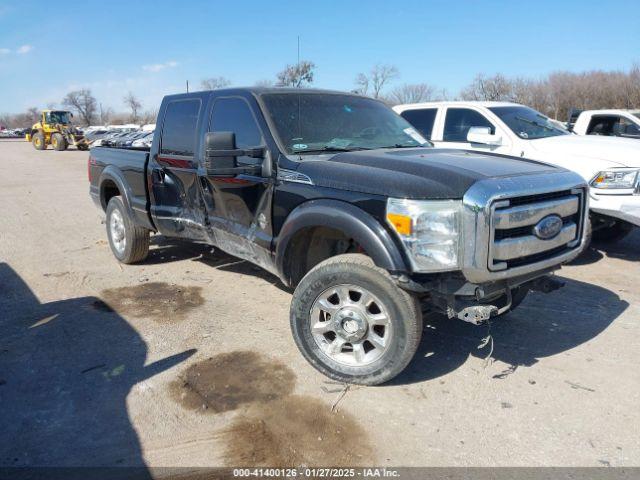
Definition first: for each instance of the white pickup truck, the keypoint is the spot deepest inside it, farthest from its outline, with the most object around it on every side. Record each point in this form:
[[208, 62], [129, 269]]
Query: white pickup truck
[[609, 123], [610, 165]]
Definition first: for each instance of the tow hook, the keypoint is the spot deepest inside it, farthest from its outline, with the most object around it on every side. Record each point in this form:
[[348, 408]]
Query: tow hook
[[477, 314], [546, 285]]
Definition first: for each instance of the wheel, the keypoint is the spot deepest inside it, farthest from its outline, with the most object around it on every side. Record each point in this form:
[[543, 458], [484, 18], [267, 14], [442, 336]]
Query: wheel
[[614, 233], [129, 243], [38, 141], [83, 147], [58, 142], [353, 323]]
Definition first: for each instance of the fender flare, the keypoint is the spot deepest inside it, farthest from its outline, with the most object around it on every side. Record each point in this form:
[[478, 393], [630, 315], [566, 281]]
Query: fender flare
[[349, 219], [113, 174]]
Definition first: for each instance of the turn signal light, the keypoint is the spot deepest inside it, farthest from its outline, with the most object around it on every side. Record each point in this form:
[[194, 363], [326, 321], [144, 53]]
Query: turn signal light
[[401, 223]]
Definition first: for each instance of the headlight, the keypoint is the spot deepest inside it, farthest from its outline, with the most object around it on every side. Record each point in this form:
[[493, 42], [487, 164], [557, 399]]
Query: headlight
[[622, 179], [430, 231]]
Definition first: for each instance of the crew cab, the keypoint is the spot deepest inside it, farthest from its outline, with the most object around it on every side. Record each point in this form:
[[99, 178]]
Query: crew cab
[[349, 205], [611, 166], [608, 123]]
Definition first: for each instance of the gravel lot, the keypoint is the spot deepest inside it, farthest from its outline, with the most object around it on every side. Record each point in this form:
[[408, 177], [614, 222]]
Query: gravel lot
[[187, 359]]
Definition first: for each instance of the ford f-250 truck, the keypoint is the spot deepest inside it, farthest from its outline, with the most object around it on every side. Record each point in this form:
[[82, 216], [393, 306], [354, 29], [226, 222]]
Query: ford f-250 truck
[[610, 165], [345, 202]]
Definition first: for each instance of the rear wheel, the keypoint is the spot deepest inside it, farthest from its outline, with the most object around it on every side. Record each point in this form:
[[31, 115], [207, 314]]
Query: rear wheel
[[353, 323], [58, 142], [38, 141], [129, 243]]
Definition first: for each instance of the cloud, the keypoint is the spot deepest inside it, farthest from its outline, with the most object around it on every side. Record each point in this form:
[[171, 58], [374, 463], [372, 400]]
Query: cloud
[[156, 67], [5, 51], [24, 49]]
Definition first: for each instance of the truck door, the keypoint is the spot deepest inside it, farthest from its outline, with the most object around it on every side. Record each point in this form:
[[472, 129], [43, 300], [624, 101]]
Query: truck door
[[176, 205], [239, 207]]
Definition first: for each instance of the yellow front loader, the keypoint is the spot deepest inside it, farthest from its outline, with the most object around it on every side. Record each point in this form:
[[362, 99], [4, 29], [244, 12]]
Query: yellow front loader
[[55, 129]]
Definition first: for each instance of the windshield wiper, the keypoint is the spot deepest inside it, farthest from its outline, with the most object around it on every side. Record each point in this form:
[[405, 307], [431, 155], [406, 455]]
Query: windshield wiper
[[328, 148], [400, 145], [531, 122]]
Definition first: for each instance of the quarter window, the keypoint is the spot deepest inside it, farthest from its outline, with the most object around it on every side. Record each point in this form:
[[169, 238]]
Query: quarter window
[[458, 122], [422, 119], [179, 128]]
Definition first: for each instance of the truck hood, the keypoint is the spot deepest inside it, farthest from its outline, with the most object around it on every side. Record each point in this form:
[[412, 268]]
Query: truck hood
[[600, 152], [414, 173]]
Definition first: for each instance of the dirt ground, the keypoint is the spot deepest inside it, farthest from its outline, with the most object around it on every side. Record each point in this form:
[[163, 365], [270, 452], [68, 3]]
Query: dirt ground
[[187, 359]]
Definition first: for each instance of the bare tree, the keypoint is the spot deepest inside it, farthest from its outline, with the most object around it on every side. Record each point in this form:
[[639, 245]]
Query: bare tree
[[32, 115], [495, 88], [296, 75], [83, 102], [264, 83], [105, 114], [413, 93], [134, 104], [149, 116], [214, 83], [376, 80]]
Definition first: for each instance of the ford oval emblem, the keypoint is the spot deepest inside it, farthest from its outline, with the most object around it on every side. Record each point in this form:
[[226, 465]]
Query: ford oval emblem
[[548, 227]]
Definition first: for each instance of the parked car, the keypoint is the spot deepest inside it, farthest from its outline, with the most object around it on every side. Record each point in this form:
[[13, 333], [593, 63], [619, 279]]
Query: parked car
[[611, 166], [345, 202], [609, 123]]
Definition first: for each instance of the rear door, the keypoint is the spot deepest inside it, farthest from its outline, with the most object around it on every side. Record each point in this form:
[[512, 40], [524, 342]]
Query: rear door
[[176, 203]]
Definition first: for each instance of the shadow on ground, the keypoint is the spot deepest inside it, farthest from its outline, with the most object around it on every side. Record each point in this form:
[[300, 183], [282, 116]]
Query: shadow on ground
[[66, 370], [165, 250], [543, 325], [626, 249]]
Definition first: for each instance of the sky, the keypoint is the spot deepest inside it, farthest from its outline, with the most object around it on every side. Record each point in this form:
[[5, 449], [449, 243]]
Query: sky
[[151, 48]]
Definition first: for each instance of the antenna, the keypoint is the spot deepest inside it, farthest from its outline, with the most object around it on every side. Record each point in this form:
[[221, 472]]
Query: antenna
[[187, 86], [299, 99]]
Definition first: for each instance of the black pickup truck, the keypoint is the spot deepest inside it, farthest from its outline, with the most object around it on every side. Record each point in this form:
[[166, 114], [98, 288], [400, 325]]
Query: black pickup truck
[[347, 204]]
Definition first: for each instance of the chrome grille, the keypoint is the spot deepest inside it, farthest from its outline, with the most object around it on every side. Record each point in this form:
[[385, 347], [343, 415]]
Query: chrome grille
[[512, 239]]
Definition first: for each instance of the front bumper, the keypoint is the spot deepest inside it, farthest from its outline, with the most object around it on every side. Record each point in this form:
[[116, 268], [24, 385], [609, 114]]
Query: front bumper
[[623, 207]]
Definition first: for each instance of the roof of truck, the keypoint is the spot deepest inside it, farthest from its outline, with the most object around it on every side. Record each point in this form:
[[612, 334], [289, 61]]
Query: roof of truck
[[266, 90], [453, 103]]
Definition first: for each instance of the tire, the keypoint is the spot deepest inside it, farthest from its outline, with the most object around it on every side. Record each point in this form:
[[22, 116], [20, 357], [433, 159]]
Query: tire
[[83, 147], [612, 234], [129, 243], [361, 359], [58, 142], [37, 140]]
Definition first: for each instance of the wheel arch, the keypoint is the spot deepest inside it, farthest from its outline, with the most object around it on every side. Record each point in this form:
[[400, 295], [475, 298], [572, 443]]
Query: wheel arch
[[112, 183], [316, 217]]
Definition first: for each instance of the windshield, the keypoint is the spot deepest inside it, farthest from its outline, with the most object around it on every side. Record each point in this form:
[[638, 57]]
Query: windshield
[[527, 123], [314, 122], [58, 117]]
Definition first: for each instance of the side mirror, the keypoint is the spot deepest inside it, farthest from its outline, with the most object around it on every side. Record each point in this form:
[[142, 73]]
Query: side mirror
[[484, 136], [221, 155], [220, 148]]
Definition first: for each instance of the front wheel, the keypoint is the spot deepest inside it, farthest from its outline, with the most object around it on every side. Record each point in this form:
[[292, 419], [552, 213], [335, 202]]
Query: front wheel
[[129, 243], [353, 323], [38, 141]]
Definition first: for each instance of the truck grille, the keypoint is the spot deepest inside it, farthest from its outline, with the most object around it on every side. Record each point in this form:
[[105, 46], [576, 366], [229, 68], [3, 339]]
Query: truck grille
[[513, 239]]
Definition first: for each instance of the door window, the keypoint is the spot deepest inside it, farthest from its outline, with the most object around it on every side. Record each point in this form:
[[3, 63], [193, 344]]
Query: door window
[[458, 122], [179, 128], [234, 115], [421, 119]]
